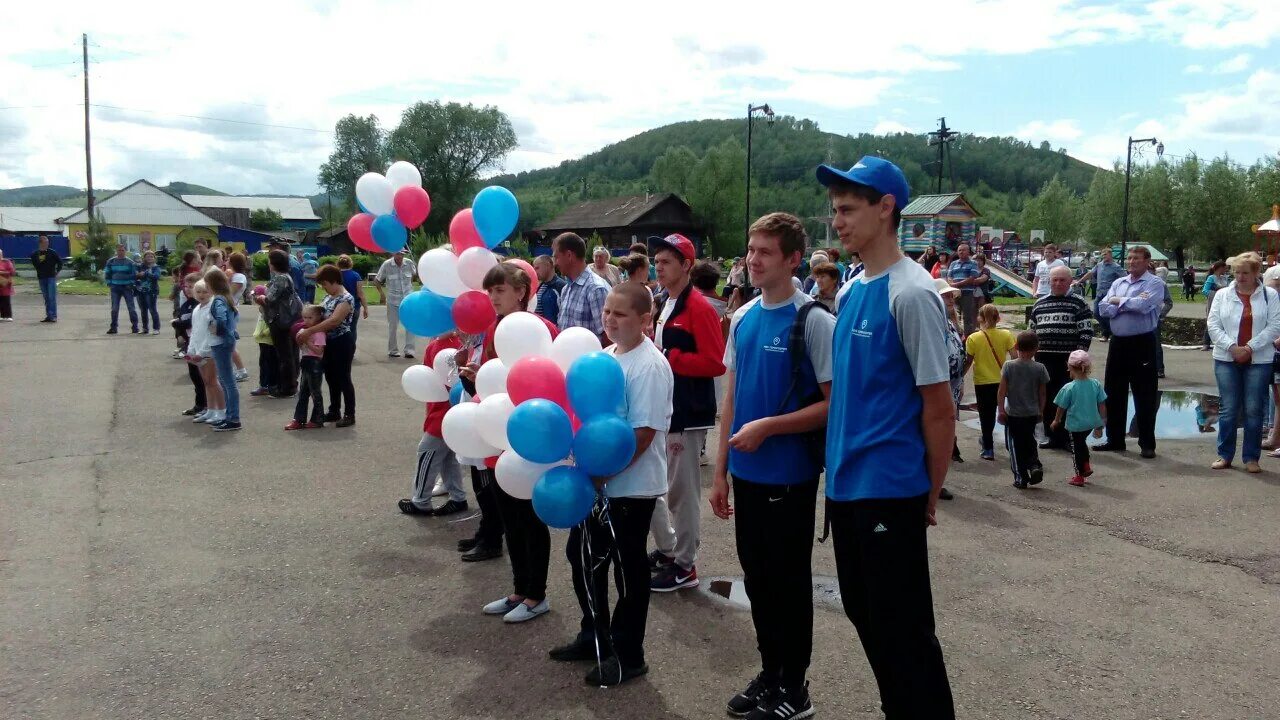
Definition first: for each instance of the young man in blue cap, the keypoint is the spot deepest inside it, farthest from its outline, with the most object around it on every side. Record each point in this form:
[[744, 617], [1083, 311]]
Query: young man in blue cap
[[889, 438]]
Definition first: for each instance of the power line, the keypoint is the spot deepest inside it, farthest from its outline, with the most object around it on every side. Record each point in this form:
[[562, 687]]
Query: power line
[[214, 119]]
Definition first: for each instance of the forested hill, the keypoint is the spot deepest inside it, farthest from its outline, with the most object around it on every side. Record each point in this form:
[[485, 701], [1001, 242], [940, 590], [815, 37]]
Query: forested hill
[[997, 174]]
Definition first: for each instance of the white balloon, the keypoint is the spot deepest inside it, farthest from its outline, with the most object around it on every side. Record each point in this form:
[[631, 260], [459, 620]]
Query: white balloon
[[446, 366], [491, 378], [516, 476], [461, 431], [403, 174], [572, 344], [423, 384], [473, 263], [495, 410], [375, 193], [438, 270], [520, 335]]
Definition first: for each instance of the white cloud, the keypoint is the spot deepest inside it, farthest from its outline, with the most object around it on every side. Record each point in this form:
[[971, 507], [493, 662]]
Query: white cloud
[[1237, 64], [889, 127], [1058, 130], [1194, 69]]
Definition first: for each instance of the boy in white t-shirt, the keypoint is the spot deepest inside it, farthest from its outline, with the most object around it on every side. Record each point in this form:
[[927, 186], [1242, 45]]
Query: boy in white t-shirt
[[618, 526]]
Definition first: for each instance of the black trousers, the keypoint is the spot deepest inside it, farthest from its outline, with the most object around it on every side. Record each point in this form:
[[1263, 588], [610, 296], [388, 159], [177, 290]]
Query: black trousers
[[1056, 364], [6, 306], [882, 556], [485, 487], [287, 357], [1080, 451], [622, 542], [194, 373], [309, 389], [1131, 365], [268, 366], [528, 545], [339, 352], [1020, 441], [987, 395], [773, 528]]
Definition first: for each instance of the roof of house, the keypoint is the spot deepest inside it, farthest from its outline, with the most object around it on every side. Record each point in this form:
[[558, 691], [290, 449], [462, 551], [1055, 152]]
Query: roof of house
[[934, 204], [145, 204], [32, 219], [290, 208], [609, 212]]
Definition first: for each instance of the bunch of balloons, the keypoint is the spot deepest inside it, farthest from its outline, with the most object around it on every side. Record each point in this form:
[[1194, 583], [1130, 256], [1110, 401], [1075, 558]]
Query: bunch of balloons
[[547, 415], [390, 204], [452, 294]]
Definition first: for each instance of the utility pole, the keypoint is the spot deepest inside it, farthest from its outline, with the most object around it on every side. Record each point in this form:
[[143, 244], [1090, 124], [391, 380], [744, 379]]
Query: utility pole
[[88, 160], [768, 113], [942, 137], [1128, 172]]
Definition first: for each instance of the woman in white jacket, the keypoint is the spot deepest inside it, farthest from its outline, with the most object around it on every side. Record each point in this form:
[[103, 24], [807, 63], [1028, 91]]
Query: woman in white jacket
[[1244, 321]]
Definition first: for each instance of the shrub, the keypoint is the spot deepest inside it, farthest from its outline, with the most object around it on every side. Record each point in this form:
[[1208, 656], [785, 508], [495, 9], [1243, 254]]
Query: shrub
[[261, 270], [84, 266], [363, 264]]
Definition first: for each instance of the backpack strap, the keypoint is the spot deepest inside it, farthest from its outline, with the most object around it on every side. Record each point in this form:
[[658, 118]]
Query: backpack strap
[[797, 349]]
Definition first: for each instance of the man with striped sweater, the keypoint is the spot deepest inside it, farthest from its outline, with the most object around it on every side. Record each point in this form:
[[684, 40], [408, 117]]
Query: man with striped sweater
[[1062, 323]]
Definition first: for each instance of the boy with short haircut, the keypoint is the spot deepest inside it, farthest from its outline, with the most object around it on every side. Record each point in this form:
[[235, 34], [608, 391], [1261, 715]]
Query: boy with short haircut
[[775, 401], [1023, 389], [435, 458], [618, 526]]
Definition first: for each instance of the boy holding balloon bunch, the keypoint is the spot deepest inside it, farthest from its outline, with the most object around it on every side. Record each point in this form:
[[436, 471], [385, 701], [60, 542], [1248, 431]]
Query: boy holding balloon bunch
[[618, 527]]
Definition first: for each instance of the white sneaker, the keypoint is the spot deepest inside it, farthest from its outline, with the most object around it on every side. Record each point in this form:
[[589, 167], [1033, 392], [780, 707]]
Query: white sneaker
[[215, 417], [439, 490], [202, 416], [155, 331], [177, 354], [242, 374], [501, 606], [408, 354], [523, 612]]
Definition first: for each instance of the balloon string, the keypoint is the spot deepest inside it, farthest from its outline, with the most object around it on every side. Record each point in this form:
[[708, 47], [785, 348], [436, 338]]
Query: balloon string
[[588, 574]]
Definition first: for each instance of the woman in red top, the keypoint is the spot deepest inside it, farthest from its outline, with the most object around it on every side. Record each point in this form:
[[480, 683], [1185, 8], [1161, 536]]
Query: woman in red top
[[7, 272], [528, 540]]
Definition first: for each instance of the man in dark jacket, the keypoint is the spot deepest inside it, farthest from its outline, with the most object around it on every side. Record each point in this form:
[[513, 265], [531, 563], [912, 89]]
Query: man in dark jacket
[[1062, 323], [688, 332], [47, 265]]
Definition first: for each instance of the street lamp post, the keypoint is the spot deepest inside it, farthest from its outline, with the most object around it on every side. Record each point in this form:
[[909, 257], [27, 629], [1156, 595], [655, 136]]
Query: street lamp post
[[1128, 170], [752, 110]]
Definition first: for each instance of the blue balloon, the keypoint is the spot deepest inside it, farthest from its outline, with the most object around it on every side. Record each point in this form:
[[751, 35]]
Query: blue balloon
[[427, 314], [563, 497], [389, 233], [455, 394], [596, 386], [604, 446], [539, 431], [495, 212]]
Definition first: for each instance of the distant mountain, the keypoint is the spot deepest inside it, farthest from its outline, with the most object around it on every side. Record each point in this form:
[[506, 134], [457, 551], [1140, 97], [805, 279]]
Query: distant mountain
[[64, 196], [38, 195]]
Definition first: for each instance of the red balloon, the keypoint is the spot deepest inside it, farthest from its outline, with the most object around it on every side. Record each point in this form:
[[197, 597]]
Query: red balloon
[[412, 205], [535, 376], [472, 312], [359, 229], [491, 462], [463, 233], [528, 270], [574, 422]]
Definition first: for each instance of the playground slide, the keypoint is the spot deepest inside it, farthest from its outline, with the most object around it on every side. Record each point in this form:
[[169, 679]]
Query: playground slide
[[1005, 277]]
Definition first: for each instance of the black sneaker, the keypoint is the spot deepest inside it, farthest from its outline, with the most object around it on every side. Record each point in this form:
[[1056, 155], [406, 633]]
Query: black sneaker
[[1020, 484], [466, 544], [786, 705], [482, 552], [227, 426], [659, 560], [945, 494], [748, 700], [112, 331], [450, 507], [193, 410], [347, 421], [1036, 475], [332, 417], [580, 648], [611, 672], [408, 508]]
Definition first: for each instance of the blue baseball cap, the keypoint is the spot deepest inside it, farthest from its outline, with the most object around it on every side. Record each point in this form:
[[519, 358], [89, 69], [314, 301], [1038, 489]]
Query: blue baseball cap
[[874, 172]]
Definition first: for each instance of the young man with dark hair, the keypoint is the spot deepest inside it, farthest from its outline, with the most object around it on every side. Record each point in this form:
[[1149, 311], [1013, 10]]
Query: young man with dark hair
[[549, 287], [775, 401], [47, 265], [688, 333], [890, 433], [582, 299]]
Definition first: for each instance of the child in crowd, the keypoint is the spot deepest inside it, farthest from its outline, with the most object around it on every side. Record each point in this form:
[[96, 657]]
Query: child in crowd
[[618, 526], [147, 288], [1023, 384], [182, 331], [200, 355], [435, 459], [486, 543], [312, 372], [268, 362], [528, 540], [1082, 407], [987, 349], [222, 339]]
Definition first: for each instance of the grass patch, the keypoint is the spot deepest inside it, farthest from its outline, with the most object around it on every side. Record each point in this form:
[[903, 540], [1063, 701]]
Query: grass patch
[[97, 287]]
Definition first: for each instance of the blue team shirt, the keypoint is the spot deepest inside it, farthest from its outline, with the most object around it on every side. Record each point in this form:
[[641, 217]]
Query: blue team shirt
[[890, 339]]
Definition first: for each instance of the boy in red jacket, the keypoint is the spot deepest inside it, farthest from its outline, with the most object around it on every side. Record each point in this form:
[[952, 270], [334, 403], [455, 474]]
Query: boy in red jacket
[[435, 459], [688, 332]]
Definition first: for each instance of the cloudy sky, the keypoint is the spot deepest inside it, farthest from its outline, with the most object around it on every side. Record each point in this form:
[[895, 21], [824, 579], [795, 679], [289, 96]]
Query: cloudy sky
[[243, 96]]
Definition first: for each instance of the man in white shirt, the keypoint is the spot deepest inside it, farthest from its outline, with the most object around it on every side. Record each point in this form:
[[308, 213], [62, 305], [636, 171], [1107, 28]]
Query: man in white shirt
[[1040, 282], [395, 282]]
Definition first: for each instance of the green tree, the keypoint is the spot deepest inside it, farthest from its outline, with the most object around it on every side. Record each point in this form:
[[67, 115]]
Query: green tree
[[717, 194], [1151, 216], [98, 243], [358, 148], [1103, 207], [451, 144], [1188, 199], [672, 169], [265, 219], [1264, 187], [1224, 209], [1056, 210]]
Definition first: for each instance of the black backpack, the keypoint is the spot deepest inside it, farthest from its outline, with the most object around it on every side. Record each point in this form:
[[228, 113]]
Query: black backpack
[[815, 440]]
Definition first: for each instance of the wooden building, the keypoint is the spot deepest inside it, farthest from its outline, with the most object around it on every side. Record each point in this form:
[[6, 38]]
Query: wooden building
[[940, 221], [620, 221]]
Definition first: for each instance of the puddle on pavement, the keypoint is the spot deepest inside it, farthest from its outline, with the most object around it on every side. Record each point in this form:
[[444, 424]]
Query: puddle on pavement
[[733, 591], [1183, 414]]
